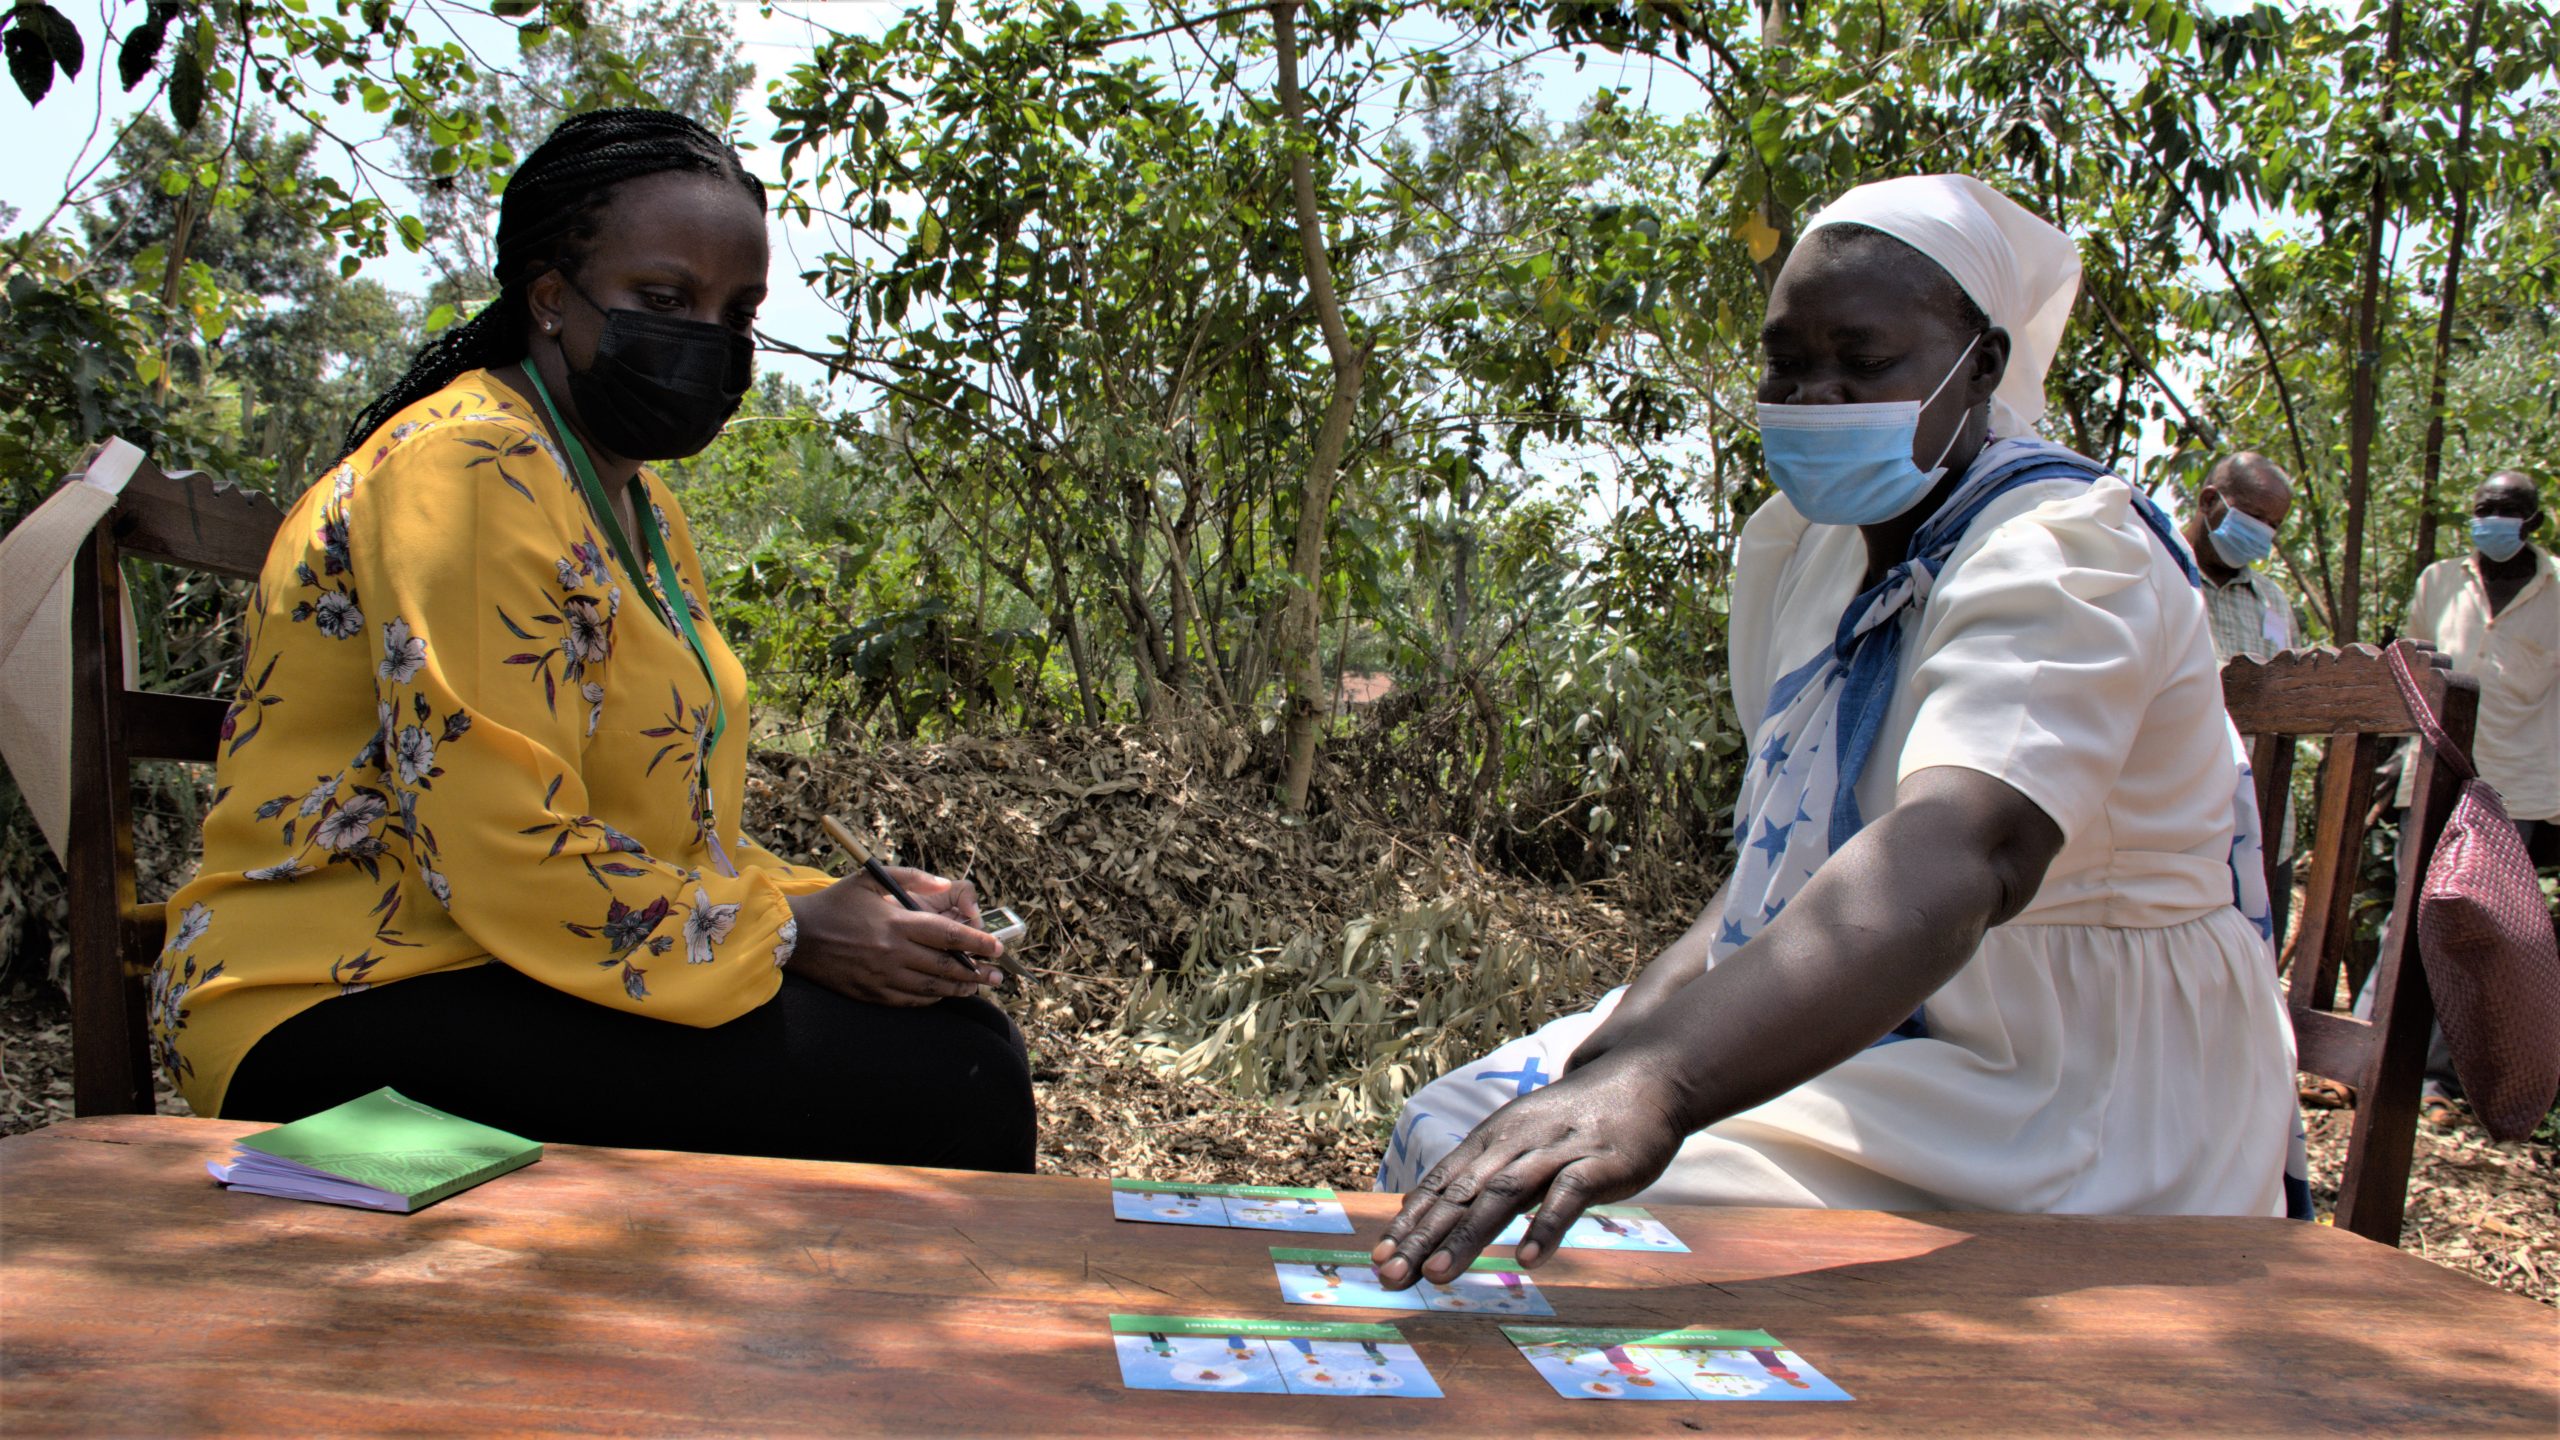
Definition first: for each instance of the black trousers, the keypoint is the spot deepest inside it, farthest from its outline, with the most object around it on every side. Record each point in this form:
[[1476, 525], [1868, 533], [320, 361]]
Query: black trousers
[[809, 1074]]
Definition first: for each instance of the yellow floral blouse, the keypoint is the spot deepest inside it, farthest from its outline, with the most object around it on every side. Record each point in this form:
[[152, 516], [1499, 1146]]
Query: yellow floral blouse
[[464, 735]]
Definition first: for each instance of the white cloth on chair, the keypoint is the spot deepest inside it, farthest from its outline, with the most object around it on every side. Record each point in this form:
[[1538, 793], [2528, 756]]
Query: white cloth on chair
[[35, 634]]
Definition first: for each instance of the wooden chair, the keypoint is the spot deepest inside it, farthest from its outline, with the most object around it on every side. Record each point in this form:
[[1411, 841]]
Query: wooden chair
[[184, 520], [2349, 697]]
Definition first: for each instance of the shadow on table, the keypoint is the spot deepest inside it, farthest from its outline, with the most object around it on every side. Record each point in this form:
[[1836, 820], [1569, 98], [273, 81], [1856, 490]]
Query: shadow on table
[[637, 1291]]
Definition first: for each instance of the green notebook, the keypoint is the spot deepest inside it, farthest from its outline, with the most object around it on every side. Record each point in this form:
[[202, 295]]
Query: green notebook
[[382, 1151]]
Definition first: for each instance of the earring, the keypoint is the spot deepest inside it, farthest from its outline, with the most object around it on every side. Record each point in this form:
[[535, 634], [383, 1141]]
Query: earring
[[550, 325]]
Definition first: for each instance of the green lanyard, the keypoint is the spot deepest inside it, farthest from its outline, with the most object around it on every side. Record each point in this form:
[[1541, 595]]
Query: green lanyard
[[670, 596]]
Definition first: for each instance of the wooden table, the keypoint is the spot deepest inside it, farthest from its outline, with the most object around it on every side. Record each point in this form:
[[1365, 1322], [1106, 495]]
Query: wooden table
[[637, 1292]]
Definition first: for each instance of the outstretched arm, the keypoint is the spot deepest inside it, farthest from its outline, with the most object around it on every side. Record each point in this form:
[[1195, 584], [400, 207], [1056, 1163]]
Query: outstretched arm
[[1682, 961], [1893, 915]]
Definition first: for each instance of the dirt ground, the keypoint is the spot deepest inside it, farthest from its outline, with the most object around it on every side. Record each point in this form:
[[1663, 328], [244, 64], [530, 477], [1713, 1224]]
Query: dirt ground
[[2482, 1208]]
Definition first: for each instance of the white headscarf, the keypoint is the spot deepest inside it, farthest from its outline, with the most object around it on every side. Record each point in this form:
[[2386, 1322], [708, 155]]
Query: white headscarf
[[2022, 271]]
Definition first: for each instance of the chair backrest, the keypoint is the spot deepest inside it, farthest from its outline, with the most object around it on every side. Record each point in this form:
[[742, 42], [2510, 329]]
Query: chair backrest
[[2348, 698], [188, 521]]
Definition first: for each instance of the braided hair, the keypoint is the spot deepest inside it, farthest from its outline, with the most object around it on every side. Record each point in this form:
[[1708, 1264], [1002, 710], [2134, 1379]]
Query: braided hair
[[545, 223]]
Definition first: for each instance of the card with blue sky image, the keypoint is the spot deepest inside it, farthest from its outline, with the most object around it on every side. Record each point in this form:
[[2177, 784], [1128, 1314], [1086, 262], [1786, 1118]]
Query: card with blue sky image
[[1305, 1209], [1346, 1278], [1606, 1227], [1212, 1356], [1694, 1363]]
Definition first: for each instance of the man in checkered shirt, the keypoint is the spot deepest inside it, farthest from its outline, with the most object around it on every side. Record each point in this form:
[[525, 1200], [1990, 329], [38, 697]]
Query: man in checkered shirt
[[2239, 508]]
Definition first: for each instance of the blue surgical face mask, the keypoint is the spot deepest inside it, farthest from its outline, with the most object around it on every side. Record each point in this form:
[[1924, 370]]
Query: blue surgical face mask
[[2497, 536], [2242, 539], [1851, 464]]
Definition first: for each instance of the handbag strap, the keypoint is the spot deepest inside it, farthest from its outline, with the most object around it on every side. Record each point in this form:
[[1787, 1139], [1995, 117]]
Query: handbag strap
[[2425, 715]]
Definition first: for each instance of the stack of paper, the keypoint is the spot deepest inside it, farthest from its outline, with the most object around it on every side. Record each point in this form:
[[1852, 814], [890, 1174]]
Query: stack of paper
[[382, 1151]]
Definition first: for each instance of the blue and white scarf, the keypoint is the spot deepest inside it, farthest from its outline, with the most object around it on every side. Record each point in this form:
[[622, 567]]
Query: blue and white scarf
[[1799, 796]]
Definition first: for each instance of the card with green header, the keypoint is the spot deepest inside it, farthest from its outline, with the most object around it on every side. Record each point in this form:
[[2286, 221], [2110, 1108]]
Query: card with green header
[[1694, 1363], [1346, 1278], [1268, 1357], [382, 1151], [1311, 1209]]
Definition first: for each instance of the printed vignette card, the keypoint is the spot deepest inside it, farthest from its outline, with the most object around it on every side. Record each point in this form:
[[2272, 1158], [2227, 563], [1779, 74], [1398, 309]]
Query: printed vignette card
[[1688, 1364], [1268, 1357], [1347, 1278], [1605, 1227], [1308, 1209]]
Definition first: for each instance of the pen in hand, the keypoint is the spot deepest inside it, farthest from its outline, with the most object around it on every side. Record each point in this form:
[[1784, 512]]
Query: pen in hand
[[871, 866], [862, 855]]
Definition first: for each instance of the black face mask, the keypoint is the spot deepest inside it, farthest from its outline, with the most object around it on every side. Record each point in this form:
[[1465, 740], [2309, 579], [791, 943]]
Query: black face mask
[[660, 388]]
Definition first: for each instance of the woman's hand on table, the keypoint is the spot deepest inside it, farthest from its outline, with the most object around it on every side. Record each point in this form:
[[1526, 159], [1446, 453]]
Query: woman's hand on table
[[1888, 919], [858, 941], [1601, 1134]]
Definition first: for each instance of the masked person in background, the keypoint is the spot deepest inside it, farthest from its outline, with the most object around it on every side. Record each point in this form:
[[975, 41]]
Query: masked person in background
[[477, 831], [1996, 936], [2239, 508], [2495, 613]]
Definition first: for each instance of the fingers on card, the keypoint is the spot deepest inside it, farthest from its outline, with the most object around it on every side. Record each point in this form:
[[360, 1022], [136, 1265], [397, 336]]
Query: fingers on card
[[1346, 1278], [1308, 1209], [1605, 1227], [1690, 1364], [1267, 1357]]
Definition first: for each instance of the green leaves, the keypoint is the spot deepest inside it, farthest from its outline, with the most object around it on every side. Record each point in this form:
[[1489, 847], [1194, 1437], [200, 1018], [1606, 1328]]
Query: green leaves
[[30, 63], [188, 73], [141, 46], [40, 40]]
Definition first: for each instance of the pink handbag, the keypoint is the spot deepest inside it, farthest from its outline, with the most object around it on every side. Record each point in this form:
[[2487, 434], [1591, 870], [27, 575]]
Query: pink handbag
[[2492, 960]]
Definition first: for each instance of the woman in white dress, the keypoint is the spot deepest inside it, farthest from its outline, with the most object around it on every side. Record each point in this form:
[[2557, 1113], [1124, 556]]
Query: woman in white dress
[[2017, 959]]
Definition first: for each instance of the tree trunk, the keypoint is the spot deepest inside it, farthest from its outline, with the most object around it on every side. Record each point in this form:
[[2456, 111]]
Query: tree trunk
[[181, 236], [1299, 640], [2425, 549], [2366, 397], [1063, 616], [1462, 564], [1188, 621], [1779, 220], [1146, 638]]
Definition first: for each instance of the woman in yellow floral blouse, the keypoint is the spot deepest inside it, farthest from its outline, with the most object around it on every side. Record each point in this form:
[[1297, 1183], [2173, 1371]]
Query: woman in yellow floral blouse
[[477, 834]]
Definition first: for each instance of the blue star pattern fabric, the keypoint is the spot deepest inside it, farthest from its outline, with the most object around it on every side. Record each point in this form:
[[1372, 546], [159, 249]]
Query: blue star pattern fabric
[[1799, 804], [1523, 1080], [1799, 797]]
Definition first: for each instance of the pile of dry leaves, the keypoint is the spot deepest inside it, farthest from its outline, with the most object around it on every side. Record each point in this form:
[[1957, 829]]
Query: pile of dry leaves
[[2474, 1205], [1187, 941], [1332, 962]]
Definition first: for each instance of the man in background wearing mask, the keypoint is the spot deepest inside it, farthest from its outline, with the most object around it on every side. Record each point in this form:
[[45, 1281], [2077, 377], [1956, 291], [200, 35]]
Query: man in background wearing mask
[[2496, 613], [2239, 508]]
